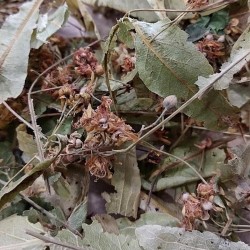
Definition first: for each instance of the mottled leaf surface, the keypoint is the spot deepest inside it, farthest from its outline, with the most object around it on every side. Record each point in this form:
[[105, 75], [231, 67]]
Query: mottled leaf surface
[[95, 238], [169, 238]]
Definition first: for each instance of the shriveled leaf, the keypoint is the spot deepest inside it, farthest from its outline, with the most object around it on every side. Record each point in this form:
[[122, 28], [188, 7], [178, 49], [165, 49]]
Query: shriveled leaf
[[127, 5], [226, 79], [95, 238], [13, 234], [15, 36], [48, 24], [78, 216], [80, 11], [26, 142], [10, 191], [127, 183], [168, 238], [169, 65]]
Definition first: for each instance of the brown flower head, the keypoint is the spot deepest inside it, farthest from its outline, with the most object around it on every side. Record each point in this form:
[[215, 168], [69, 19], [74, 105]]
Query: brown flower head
[[99, 166], [85, 62], [197, 3], [104, 127]]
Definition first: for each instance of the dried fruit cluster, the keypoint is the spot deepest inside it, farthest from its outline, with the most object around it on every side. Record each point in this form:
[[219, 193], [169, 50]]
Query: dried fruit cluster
[[122, 59], [197, 207], [197, 3], [105, 130], [63, 82]]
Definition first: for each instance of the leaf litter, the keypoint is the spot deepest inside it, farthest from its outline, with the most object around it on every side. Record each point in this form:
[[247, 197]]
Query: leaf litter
[[152, 122]]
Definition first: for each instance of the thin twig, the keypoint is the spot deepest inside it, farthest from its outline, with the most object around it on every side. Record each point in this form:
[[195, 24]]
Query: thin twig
[[205, 8], [52, 240], [17, 115], [187, 103], [48, 214]]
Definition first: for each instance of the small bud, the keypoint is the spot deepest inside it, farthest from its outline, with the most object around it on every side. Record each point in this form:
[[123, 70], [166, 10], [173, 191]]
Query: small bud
[[209, 37], [207, 205], [99, 70], [221, 39], [185, 196], [169, 102], [103, 120]]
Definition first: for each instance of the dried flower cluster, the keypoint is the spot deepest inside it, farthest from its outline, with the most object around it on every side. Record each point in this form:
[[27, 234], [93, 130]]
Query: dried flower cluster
[[104, 131], [197, 207], [123, 60], [194, 4], [211, 49], [84, 65]]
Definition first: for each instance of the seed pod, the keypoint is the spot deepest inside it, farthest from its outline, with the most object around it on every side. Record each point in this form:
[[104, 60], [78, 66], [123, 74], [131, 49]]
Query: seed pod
[[169, 102]]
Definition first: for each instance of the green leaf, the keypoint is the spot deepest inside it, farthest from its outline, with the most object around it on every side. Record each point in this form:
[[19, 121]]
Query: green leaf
[[13, 234], [127, 183], [15, 36], [170, 65], [78, 216], [238, 94], [6, 156], [169, 238], [48, 24], [181, 175], [95, 237], [219, 20]]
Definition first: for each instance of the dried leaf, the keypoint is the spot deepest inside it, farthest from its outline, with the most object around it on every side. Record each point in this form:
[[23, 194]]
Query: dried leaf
[[15, 36], [226, 79], [26, 142], [168, 238], [127, 183], [48, 24]]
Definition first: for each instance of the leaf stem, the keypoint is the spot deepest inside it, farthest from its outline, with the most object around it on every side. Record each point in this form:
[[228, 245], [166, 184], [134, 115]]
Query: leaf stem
[[205, 8], [17, 115], [53, 241]]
